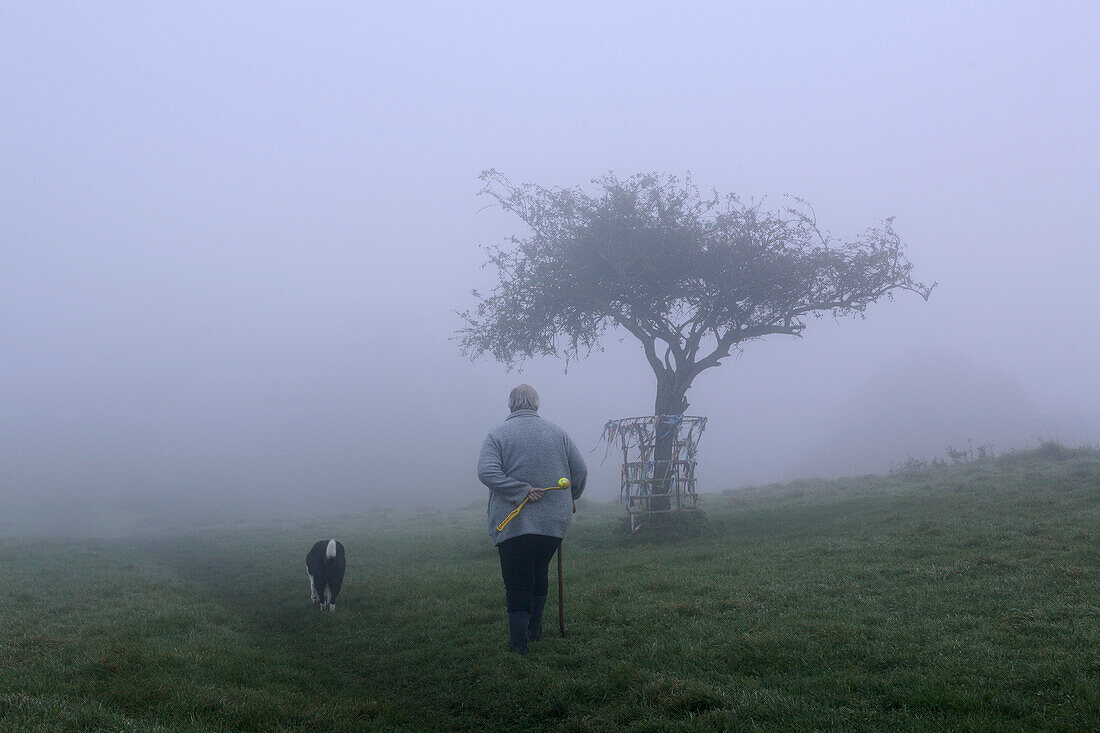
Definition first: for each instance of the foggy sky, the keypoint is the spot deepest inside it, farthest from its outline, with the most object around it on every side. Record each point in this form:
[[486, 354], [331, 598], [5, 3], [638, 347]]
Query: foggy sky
[[232, 236]]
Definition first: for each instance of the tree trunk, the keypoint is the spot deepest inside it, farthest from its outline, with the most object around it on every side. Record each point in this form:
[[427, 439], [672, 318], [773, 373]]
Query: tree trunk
[[671, 401]]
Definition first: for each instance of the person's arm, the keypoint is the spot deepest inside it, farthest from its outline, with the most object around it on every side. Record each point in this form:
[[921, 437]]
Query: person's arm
[[490, 470], [578, 471]]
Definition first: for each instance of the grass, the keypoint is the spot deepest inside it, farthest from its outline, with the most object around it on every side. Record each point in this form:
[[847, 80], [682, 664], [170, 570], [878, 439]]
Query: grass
[[959, 598]]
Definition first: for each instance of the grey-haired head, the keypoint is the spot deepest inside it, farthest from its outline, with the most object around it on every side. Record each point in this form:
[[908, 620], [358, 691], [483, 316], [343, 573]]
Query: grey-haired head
[[523, 397]]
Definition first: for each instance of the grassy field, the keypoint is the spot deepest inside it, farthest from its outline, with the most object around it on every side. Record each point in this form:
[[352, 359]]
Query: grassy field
[[960, 598]]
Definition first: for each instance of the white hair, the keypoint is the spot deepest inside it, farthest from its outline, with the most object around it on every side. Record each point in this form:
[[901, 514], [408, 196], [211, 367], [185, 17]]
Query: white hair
[[523, 397]]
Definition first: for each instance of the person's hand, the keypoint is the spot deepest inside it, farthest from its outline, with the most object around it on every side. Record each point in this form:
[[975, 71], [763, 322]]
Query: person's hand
[[534, 494]]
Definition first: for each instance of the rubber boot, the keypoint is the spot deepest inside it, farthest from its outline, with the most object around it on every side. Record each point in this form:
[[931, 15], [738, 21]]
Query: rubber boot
[[517, 631], [519, 616], [534, 625]]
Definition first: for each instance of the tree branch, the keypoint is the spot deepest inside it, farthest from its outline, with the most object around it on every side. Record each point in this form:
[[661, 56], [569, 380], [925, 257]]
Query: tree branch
[[735, 336], [649, 342]]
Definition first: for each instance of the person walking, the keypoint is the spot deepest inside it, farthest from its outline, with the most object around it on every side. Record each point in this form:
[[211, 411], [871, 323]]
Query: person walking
[[520, 459]]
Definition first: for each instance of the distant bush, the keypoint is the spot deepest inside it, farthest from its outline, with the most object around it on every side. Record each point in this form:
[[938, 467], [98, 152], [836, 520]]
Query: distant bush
[[1047, 450], [957, 455], [969, 455], [911, 466], [1051, 450], [1058, 452]]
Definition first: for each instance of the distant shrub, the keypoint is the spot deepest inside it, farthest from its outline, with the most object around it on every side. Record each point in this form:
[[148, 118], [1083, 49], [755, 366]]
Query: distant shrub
[[957, 456], [969, 455], [1052, 450], [910, 466]]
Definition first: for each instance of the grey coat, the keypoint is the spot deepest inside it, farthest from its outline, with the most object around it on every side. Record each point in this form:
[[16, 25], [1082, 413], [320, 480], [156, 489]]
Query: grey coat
[[526, 452]]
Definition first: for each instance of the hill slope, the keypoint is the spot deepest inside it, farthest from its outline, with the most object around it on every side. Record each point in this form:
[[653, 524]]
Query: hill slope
[[961, 597]]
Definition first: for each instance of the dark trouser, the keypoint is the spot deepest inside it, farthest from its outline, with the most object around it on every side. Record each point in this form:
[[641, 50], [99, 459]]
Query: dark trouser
[[525, 565]]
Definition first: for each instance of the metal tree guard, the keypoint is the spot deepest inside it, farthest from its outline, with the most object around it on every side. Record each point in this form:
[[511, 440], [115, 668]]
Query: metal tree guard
[[643, 489]]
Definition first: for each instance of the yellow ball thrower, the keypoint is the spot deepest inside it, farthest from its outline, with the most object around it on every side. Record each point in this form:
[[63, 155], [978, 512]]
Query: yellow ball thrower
[[562, 484]]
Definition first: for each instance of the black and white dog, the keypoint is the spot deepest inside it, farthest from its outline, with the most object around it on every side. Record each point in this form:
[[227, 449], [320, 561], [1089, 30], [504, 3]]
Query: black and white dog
[[325, 566]]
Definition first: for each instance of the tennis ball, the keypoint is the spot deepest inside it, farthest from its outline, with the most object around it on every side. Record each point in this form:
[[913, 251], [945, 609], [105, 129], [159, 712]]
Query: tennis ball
[[563, 483]]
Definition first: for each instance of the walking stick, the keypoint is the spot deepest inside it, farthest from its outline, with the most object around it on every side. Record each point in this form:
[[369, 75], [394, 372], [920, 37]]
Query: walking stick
[[561, 589], [561, 598]]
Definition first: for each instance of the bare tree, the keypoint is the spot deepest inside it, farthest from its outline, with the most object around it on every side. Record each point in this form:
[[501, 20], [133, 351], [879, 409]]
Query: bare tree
[[691, 276]]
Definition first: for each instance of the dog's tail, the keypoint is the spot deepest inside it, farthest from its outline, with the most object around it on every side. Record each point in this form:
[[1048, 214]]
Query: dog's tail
[[330, 551]]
